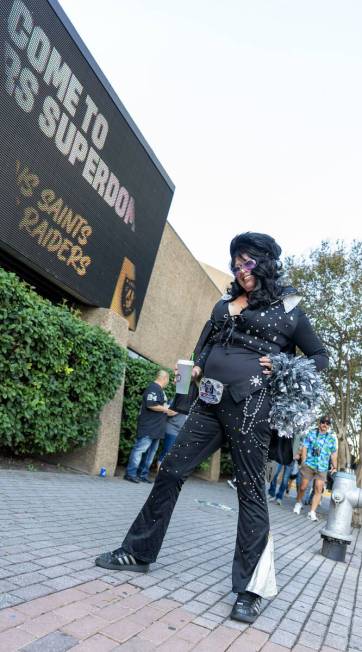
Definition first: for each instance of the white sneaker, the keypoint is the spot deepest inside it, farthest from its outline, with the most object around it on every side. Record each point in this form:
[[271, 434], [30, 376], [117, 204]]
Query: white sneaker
[[313, 516], [297, 508], [279, 502], [271, 499]]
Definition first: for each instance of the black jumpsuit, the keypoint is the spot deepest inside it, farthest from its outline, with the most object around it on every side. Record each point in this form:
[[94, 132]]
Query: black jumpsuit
[[229, 350]]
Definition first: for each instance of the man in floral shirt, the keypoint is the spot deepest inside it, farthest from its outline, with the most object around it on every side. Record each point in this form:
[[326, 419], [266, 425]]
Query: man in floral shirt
[[319, 446]]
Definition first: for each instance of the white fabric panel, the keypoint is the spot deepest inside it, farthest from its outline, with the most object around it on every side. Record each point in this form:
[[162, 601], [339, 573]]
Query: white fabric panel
[[263, 581], [290, 301]]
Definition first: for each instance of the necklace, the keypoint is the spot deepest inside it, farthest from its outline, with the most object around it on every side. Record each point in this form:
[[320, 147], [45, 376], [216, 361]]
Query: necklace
[[245, 430]]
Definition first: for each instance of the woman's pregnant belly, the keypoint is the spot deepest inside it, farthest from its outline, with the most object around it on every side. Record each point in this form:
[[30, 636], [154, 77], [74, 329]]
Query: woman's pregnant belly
[[233, 365]]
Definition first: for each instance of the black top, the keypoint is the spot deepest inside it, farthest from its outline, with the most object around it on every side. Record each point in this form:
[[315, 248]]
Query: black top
[[230, 346], [151, 423]]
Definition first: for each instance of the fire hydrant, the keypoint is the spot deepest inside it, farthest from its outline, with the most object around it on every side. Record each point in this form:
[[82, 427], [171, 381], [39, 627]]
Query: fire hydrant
[[338, 532]]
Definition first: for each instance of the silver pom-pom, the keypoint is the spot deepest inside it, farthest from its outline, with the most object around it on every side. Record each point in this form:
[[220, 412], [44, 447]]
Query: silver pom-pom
[[296, 391]]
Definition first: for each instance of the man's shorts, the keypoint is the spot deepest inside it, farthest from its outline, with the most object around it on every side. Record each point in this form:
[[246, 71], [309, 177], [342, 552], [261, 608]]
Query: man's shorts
[[312, 474]]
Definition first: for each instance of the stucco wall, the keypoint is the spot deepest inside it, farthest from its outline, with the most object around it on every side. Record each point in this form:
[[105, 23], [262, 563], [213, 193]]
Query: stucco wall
[[178, 302], [221, 279]]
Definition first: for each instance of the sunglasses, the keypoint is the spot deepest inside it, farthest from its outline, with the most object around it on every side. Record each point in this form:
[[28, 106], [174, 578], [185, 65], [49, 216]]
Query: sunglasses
[[244, 267], [326, 421]]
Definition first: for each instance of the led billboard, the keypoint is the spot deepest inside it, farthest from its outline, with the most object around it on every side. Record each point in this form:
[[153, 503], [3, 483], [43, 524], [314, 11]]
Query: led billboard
[[83, 198]]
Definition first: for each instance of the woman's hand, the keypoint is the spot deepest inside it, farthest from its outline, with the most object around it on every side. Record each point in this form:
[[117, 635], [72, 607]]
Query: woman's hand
[[267, 364], [196, 372]]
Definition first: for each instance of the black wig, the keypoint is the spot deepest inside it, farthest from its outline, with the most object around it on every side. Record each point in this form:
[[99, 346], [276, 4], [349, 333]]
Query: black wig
[[266, 252]]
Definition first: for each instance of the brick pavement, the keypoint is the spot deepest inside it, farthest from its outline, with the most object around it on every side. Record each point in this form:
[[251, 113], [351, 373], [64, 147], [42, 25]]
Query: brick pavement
[[53, 598]]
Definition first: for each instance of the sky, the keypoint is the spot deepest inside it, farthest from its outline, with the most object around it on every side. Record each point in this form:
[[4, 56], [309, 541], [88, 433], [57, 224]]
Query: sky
[[253, 107]]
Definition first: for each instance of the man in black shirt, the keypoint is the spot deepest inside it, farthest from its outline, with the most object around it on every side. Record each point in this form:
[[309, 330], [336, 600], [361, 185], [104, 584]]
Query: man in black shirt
[[150, 428]]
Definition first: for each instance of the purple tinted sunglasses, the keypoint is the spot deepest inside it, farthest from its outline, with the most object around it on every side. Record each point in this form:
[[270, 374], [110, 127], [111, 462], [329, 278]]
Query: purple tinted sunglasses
[[244, 267]]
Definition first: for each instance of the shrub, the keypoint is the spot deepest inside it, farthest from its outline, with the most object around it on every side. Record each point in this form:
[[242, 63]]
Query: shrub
[[226, 465], [56, 372], [139, 373]]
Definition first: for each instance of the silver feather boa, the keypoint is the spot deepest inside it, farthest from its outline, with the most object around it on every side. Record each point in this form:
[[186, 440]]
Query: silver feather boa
[[297, 391]]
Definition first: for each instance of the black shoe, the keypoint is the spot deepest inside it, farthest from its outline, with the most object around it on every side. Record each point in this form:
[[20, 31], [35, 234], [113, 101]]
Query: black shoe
[[121, 560], [131, 479], [145, 480], [246, 608]]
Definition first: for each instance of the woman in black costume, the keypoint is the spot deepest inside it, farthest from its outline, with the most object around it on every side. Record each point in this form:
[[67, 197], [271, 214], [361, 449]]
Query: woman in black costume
[[257, 319]]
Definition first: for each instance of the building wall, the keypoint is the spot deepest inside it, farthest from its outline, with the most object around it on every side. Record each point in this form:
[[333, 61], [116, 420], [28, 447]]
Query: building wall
[[221, 279], [178, 302]]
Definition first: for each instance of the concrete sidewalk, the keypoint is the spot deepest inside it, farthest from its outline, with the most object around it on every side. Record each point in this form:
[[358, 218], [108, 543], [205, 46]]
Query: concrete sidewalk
[[53, 598]]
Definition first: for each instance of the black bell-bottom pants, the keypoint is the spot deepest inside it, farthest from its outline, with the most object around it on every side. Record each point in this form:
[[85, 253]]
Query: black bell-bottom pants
[[206, 429]]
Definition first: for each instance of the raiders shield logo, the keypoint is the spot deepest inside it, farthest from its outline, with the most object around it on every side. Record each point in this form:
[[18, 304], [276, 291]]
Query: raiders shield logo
[[128, 296], [124, 297]]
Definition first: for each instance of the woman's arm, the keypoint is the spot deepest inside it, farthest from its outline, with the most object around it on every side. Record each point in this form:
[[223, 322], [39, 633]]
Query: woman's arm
[[309, 343], [204, 345], [200, 359]]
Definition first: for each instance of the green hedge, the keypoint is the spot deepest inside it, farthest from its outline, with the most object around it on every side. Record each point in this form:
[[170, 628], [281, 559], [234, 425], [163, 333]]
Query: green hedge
[[56, 372], [139, 373], [226, 465]]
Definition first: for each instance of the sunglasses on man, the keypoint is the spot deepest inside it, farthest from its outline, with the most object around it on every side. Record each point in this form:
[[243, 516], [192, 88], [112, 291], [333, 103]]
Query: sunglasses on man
[[326, 421]]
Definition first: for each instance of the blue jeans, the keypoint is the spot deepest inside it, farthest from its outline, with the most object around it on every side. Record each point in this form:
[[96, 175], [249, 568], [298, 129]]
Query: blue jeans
[[168, 442], [142, 445], [284, 483]]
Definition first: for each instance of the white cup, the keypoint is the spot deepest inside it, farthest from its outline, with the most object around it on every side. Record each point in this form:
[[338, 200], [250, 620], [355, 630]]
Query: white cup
[[183, 376]]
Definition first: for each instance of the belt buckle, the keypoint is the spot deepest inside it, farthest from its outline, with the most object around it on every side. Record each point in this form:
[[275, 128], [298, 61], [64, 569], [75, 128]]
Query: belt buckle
[[210, 391]]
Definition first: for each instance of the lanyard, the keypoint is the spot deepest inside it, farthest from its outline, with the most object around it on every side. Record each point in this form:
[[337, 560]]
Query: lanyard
[[321, 443]]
